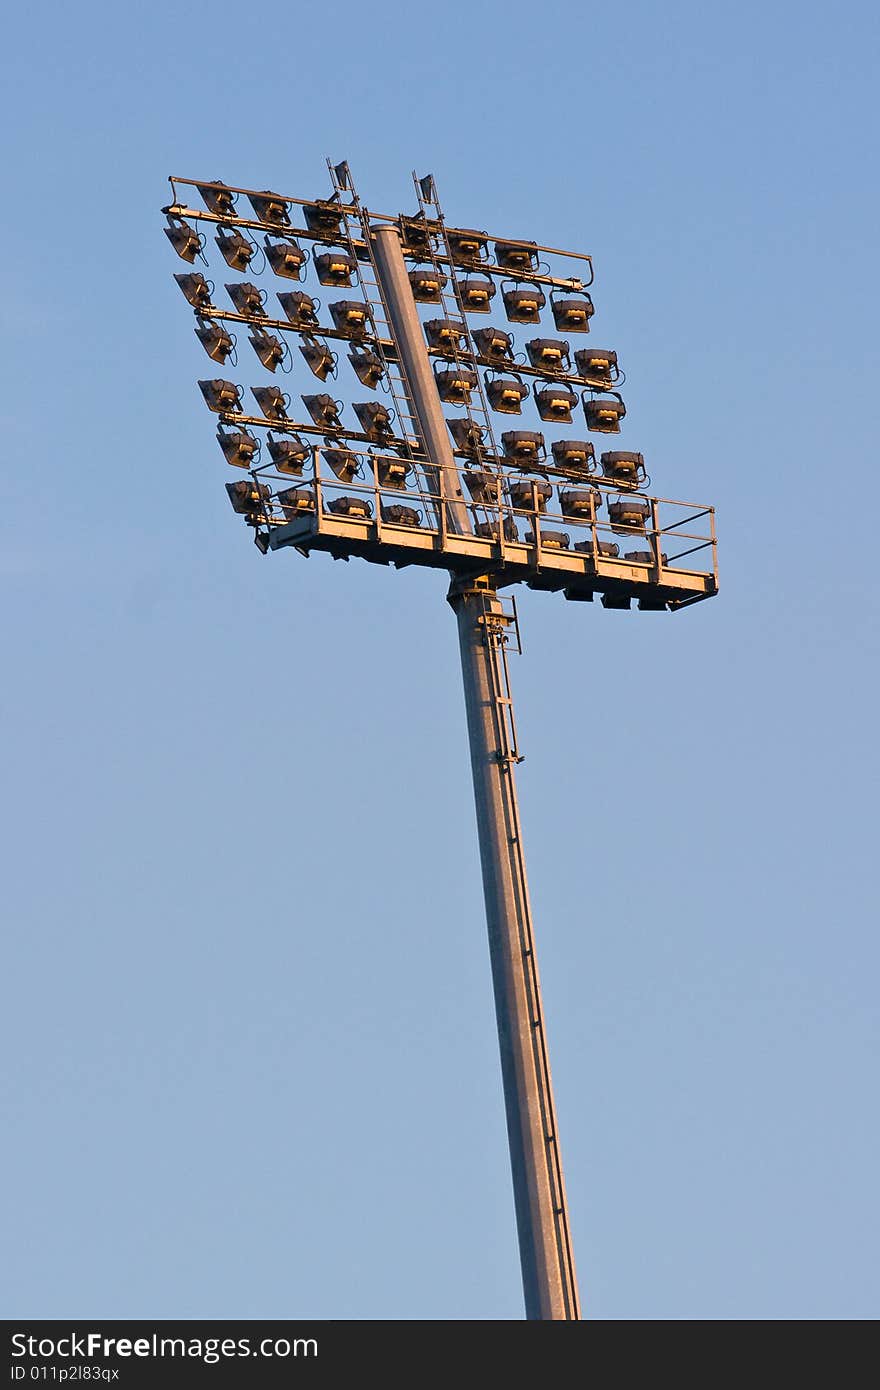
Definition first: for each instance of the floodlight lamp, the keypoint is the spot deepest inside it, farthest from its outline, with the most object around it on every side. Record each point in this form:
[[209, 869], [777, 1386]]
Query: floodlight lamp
[[196, 289], [399, 515], [324, 410], [644, 557], [318, 358], [185, 239], [415, 237], [467, 436], [288, 453], [335, 268], [550, 540], [529, 495], [582, 503], [624, 467], [375, 421], [597, 364], [215, 339], [455, 385], [269, 349], [350, 506], [493, 530], [604, 413], [427, 285], [526, 446], [300, 308], [482, 486], [494, 345], [223, 397], [467, 246], [524, 305], [343, 462], [446, 334], [217, 198], [575, 454], [606, 550], [285, 257], [240, 449], [270, 207], [248, 498], [476, 295], [324, 217], [549, 354], [247, 298], [273, 402], [350, 316], [572, 315], [235, 248], [392, 472], [506, 395], [556, 403], [516, 255], [628, 514], [296, 500], [367, 367]]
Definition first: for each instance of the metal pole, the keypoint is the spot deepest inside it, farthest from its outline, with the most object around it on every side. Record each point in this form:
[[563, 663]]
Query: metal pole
[[545, 1245]]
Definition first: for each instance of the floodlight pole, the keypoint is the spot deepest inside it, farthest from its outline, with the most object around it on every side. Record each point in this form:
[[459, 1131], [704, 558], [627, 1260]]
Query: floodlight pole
[[546, 1254]]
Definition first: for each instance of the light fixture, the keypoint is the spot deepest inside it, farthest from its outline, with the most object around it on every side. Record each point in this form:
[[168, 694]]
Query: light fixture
[[644, 557], [524, 305], [549, 354], [482, 486], [467, 246], [239, 448], [624, 467], [248, 498], [606, 550], [572, 315], [455, 385], [322, 217], [604, 413], [628, 514], [196, 289], [399, 515], [224, 397], [550, 540], [270, 207], [295, 500], [491, 530], [300, 308], [288, 453], [391, 472], [318, 358], [217, 198], [528, 494], [427, 285], [273, 402], [556, 403], [467, 435], [215, 339], [185, 239], [523, 445], [335, 268], [349, 316], [575, 454], [285, 257], [247, 298], [476, 295], [324, 410], [236, 250], [375, 421], [516, 255], [582, 503], [506, 395], [268, 348], [597, 364], [350, 506], [415, 237], [367, 367], [494, 345], [343, 462], [446, 334]]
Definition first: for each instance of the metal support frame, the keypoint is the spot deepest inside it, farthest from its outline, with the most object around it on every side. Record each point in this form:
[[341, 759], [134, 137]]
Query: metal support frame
[[545, 1244]]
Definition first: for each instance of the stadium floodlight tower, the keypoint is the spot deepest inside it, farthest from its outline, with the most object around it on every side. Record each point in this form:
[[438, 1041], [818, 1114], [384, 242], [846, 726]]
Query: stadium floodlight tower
[[408, 484]]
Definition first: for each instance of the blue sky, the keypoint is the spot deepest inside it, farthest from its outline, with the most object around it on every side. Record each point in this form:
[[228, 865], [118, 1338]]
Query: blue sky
[[253, 1069]]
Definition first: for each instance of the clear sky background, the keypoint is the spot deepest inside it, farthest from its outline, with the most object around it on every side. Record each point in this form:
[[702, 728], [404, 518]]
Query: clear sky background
[[251, 1058]]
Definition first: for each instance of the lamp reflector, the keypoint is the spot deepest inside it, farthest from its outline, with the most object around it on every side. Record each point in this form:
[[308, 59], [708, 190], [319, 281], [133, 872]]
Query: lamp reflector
[[628, 514], [300, 308], [572, 315], [285, 257], [455, 385], [576, 454], [322, 217], [335, 268], [196, 289], [523, 445], [375, 420], [447, 334], [239, 448], [506, 395], [399, 515], [467, 246], [349, 316], [597, 364], [350, 506], [524, 305], [528, 494], [604, 414], [427, 284], [492, 530], [318, 358], [624, 467], [214, 338], [235, 248], [644, 557], [516, 255], [392, 472], [324, 410], [295, 500], [288, 453], [606, 550], [482, 486], [556, 403], [494, 344], [273, 402], [224, 397], [582, 503], [270, 207], [247, 299], [367, 367], [217, 198], [248, 498], [345, 464], [467, 436], [476, 295], [268, 348], [415, 237], [185, 239], [549, 354], [550, 540]]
